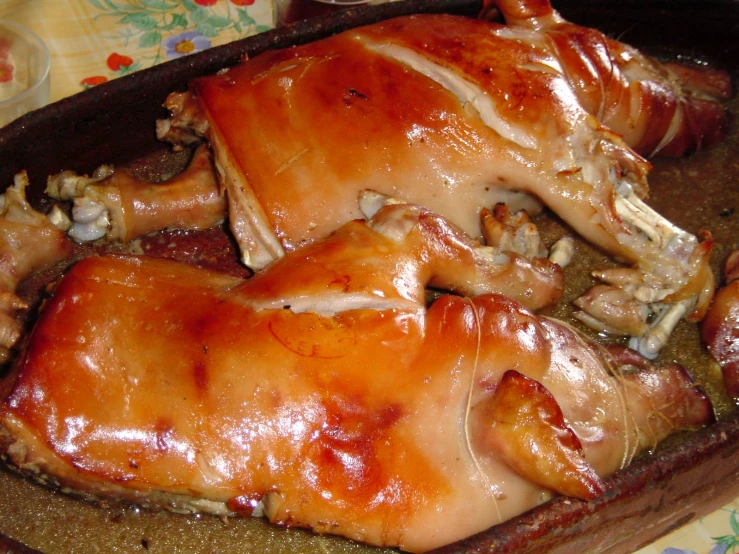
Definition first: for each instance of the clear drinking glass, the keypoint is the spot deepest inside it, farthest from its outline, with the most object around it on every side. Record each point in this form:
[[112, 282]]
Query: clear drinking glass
[[24, 71]]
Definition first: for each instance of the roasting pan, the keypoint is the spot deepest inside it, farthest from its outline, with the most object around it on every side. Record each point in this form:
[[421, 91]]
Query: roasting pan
[[685, 479]]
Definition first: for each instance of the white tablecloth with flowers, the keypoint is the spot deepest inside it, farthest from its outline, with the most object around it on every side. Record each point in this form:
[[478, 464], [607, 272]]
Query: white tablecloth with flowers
[[94, 41]]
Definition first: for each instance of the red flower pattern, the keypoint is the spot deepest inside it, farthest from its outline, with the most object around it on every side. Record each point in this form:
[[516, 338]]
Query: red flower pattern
[[205, 2], [117, 61], [242, 2], [93, 81]]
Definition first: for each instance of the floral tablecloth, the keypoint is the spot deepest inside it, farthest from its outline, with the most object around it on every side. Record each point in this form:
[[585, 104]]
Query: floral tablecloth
[[93, 41], [717, 533]]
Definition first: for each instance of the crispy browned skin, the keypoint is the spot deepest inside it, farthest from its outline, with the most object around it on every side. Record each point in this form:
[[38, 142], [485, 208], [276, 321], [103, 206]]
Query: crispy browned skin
[[658, 109], [446, 112], [323, 387], [457, 114]]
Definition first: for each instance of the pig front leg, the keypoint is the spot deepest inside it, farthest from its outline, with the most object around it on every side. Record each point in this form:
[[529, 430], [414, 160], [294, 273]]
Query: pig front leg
[[114, 205]]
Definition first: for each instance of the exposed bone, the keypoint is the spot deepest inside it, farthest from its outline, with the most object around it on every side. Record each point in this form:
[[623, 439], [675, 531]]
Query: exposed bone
[[114, 205], [658, 292], [533, 280], [517, 119], [650, 343], [663, 233], [91, 220], [68, 185], [186, 126], [59, 219]]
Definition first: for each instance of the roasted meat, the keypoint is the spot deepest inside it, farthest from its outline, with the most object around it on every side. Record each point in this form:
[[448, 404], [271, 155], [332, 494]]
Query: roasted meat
[[323, 393]]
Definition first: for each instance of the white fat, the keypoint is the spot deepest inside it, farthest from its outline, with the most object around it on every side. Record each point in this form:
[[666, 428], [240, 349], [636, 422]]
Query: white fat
[[464, 90], [676, 123], [371, 202], [562, 251], [254, 234], [332, 303], [520, 34], [196, 505], [59, 219], [492, 255]]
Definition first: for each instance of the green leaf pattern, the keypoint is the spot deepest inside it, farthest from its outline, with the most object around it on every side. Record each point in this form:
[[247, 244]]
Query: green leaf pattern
[[730, 543]]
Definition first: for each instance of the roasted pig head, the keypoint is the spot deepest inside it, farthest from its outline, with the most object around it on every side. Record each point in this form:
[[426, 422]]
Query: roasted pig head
[[324, 393]]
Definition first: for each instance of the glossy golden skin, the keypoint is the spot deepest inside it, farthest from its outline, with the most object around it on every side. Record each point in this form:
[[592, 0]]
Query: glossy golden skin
[[451, 113], [335, 397]]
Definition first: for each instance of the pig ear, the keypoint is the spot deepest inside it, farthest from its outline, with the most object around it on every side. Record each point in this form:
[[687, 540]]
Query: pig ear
[[527, 430]]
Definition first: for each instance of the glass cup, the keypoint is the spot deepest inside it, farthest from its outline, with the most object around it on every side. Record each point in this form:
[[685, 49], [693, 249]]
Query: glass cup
[[24, 71]]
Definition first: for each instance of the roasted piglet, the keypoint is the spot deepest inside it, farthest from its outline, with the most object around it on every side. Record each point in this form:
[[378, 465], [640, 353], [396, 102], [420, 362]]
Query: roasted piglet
[[720, 328], [323, 393], [458, 114], [29, 242]]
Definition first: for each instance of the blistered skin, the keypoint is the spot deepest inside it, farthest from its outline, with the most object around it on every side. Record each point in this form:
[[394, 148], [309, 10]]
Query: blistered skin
[[357, 412]]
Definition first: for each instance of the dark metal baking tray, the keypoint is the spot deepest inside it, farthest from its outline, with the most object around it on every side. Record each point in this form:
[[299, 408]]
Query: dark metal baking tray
[[658, 493]]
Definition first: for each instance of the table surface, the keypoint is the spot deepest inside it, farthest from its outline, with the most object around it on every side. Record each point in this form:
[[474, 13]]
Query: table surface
[[94, 41]]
